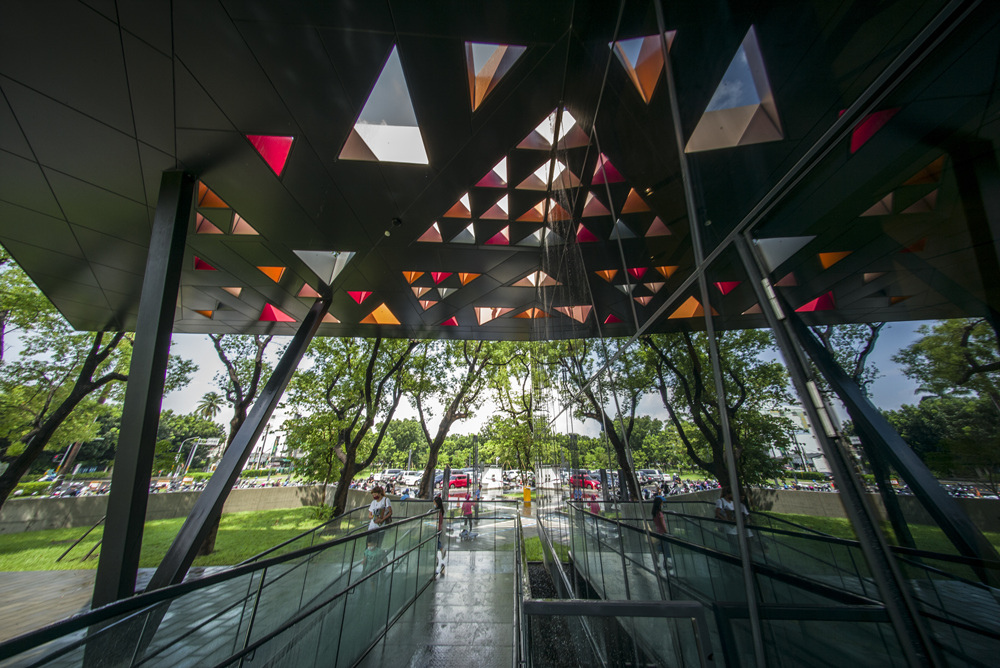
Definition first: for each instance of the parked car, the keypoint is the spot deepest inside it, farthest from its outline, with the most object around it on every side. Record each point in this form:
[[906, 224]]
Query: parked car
[[459, 480], [411, 478], [389, 474], [585, 481], [649, 475]]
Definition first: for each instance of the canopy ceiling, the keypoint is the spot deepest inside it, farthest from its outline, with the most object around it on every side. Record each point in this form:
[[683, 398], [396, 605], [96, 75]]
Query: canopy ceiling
[[400, 155]]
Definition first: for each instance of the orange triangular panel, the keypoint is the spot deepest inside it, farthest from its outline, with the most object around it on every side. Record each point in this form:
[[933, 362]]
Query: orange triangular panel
[[535, 214], [533, 313], [411, 276], [895, 300], [667, 271], [467, 278], [207, 314], [883, 207], [830, 259], [380, 316], [634, 203], [427, 303], [691, 308], [607, 274], [916, 247], [929, 174], [460, 209], [274, 273], [208, 199], [643, 300], [557, 212]]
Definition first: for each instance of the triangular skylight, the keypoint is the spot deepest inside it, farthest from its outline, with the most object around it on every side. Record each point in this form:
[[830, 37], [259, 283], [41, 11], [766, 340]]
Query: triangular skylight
[[208, 199], [691, 308], [872, 275], [607, 274], [594, 207], [658, 229], [637, 272], [725, 287], [203, 225], [753, 310], [486, 65], [450, 322], [643, 300], [578, 313], [387, 129], [274, 273], [439, 276], [206, 314], [381, 316], [411, 276], [571, 135], [612, 319], [634, 203], [787, 281], [896, 300], [742, 110], [535, 279], [925, 204], [359, 295], [779, 249], [868, 126], [486, 313], [497, 178], [466, 236], [655, 286], [498, 211], [241, 226], [271, 313], [427, 303], [583, 235], [501, 238], [534, 239], [883, 207], [234, 291], [274, 150], [533, 313], [605, 172], [621, 231], [642, 59], [330, 319], [467, 278], [832, 258], [461, 208], [562, 177], [822, 303], [929, 174], [419, 292], [432, 235], [307, 291], [444, 292], [201, 265], [327, 265], [667, 270]]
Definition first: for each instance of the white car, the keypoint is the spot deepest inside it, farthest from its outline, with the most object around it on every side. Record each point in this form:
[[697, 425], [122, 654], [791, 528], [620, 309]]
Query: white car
[[411, 478]]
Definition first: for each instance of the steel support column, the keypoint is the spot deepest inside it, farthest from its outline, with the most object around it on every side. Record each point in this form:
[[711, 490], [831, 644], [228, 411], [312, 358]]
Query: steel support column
[[879, 434], [694, 225], [208, 507], [899, 605], [116, 571]]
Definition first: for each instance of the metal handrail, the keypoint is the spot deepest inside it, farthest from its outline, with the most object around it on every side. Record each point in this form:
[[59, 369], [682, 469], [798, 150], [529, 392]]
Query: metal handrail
[[148, 599]]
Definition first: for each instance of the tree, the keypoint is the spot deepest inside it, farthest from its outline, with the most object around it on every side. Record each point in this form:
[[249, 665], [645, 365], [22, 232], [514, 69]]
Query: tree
[[403, 437], [210, 405], [955, 358], [627, 379], [243, 359], [521, 385], [851, 347], [352, 385], [683, 378], [175, 429]]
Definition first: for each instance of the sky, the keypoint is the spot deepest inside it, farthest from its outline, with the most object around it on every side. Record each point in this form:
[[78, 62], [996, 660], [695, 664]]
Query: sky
[[890, 391]]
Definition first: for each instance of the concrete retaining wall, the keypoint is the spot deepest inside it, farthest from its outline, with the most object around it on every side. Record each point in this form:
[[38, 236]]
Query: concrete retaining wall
[[984, 513], [19, 515]]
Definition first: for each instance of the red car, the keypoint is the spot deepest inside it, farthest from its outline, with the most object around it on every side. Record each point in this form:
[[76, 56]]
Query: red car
[[459, 480], [584, 481]]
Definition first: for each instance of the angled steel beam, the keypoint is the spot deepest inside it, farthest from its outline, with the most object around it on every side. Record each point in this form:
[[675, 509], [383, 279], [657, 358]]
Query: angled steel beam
[[914, 640], [208, 507], [116, 571], [880, 435]]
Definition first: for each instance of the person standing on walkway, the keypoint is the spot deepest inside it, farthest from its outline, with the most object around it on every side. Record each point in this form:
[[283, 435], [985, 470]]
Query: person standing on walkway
[[725, 510], [379, 511], [660, 524], [467, 510], [439, 507]]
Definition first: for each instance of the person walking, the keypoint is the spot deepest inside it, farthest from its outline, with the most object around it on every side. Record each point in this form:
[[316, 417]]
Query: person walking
[[379, 511], [660, 525], [467, 510], [439, 507]]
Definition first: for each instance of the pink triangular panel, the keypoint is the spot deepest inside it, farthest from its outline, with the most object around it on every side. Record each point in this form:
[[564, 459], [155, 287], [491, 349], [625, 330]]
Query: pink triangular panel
[[203, 225], [274, 150], [789, 281], [329, 318], [201, 265], [307, 291], [822, 303], [273, 314], [605, 172], [658, 229], [868, 126], [643, 300], [439, 276], [241, 226], [583, 235], [725, 287], [753, 310], [612, 319], [594, 207], [360, 295], [501, 238], [433, 234], [450, 322]]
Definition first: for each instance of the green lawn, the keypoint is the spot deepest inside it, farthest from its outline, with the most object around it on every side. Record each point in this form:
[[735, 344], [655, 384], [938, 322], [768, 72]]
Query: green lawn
[[241, 535], [533, 550]]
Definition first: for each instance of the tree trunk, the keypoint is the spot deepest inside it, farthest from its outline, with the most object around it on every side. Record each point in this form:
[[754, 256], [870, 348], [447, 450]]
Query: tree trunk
[[427, 481], [343, 485]]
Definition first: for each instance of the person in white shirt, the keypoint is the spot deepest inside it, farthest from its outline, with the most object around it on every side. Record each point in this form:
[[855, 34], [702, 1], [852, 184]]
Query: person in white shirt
[[379, 511], [725, 510]]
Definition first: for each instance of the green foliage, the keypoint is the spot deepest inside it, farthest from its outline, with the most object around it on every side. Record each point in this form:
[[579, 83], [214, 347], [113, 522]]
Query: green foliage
[[33, 488], [258, 473], [954, 358]]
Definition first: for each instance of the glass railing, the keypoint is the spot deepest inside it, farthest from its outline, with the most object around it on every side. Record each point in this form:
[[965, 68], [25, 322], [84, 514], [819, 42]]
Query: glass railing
[[286, 609]]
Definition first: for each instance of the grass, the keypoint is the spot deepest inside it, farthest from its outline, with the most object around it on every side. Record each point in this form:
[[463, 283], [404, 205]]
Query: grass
[[533, 550], [241, 535]]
